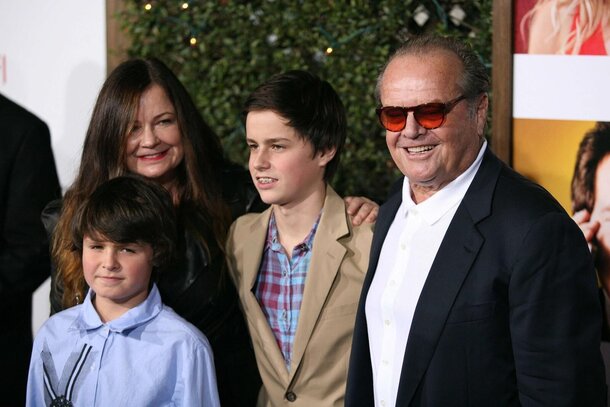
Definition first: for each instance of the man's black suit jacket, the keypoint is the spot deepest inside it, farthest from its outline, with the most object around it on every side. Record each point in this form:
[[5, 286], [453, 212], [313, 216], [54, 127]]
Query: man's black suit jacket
[[509, 313], [28, 181]]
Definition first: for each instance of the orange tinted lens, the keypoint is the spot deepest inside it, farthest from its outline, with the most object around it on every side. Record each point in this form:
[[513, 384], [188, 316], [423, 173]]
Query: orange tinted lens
[[430, 116], [393, 118]]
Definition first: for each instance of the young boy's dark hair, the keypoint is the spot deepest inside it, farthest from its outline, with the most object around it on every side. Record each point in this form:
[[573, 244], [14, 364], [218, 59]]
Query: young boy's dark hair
[[129, 209], [311, 107]]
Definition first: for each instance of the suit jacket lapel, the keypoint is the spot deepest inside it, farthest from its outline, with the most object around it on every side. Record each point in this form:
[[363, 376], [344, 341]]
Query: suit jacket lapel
[[326, 259], [360, 384], [256, 244], [256, 240], [387, 212], [453, 261]]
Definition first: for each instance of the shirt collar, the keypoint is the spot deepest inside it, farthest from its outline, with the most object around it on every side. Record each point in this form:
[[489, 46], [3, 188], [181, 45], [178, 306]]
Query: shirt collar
[[89, 319], [433, 208], [273, 240]]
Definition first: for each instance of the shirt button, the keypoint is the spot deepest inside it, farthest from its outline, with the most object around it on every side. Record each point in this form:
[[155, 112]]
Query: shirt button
[[385, 362], [403, 246], [382, 402], [290, 396], [387, 322], [392, 283]]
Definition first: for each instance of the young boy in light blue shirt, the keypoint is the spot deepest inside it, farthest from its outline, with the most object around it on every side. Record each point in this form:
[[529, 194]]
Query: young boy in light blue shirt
[[122, 346]]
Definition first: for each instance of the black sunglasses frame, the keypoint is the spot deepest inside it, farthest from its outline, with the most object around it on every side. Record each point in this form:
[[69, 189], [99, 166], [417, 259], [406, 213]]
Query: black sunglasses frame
[[444, 109]]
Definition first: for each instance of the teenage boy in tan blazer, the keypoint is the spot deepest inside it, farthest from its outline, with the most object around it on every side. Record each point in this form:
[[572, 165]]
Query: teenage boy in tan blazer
[[298, 266]]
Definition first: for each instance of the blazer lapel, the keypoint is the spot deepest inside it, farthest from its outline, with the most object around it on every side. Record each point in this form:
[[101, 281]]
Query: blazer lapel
[[359, 389], [453, 261], [326, 259], [255, 241], [387, 213]]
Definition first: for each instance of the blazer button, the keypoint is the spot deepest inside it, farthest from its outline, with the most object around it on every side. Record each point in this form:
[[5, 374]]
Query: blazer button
[[290, 396]]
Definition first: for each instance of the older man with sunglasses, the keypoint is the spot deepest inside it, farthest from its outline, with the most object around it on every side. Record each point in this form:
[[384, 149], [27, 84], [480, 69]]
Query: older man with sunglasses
[[480, 289]]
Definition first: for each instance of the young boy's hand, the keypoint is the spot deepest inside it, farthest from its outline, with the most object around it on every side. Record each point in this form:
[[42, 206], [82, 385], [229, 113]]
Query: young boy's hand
[[361, 209]]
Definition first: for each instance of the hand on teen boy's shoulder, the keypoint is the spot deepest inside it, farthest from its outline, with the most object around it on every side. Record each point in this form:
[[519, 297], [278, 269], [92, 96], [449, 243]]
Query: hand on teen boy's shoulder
[[361, 210]]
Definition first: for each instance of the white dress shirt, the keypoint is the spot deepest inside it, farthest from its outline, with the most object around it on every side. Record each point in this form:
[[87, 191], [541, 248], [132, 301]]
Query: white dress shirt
[[406, 256]]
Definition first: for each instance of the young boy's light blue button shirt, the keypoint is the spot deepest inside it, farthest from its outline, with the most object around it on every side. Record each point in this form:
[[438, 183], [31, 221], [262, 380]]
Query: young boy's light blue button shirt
[[149, 356]]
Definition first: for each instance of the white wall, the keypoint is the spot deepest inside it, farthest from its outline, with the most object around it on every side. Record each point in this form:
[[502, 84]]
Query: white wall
[[53, 62]]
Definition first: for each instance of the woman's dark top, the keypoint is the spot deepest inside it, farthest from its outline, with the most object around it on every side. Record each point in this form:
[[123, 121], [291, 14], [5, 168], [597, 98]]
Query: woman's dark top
[[199, 290]]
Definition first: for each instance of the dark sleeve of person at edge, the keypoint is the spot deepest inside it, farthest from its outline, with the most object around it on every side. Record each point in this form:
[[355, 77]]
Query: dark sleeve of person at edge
[[198, 289], [28, 181]]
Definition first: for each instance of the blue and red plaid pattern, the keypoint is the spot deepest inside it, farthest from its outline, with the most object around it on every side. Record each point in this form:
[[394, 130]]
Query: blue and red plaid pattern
[[280, 284]]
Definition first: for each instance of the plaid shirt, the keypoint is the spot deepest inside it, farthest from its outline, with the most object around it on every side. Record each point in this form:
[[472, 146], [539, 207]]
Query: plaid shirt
[[280, 285]]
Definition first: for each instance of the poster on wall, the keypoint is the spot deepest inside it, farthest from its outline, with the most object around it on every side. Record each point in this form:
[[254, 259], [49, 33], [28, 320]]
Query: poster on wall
[[561, 118], [561, 84]]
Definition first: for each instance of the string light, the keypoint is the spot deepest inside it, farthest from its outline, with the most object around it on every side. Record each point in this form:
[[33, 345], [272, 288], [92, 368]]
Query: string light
[[457, 15], [147, 6], [421, 15], [329, 50], [185, 6], [193, 41]]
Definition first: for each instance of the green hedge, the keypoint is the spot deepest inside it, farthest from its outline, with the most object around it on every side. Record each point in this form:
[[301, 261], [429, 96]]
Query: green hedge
[[239, 44]]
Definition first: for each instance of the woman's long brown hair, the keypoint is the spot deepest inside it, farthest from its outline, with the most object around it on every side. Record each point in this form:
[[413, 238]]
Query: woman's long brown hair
[[198, 189]]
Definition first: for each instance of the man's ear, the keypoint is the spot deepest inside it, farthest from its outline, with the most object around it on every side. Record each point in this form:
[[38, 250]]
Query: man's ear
[[481, 114], [325, 156]]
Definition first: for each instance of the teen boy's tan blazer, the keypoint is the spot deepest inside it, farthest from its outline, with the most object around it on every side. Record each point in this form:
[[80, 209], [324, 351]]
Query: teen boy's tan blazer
[[323, 339]]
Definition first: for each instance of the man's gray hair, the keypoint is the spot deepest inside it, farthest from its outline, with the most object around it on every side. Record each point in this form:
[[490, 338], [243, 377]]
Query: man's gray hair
[[474, 80]]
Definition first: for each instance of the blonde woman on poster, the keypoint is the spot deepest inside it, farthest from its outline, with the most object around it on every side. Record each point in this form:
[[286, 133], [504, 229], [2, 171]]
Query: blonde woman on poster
[[570, 27]]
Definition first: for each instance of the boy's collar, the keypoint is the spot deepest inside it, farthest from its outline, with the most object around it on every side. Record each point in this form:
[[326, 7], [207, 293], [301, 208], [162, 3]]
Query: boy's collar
[[89, 319]]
